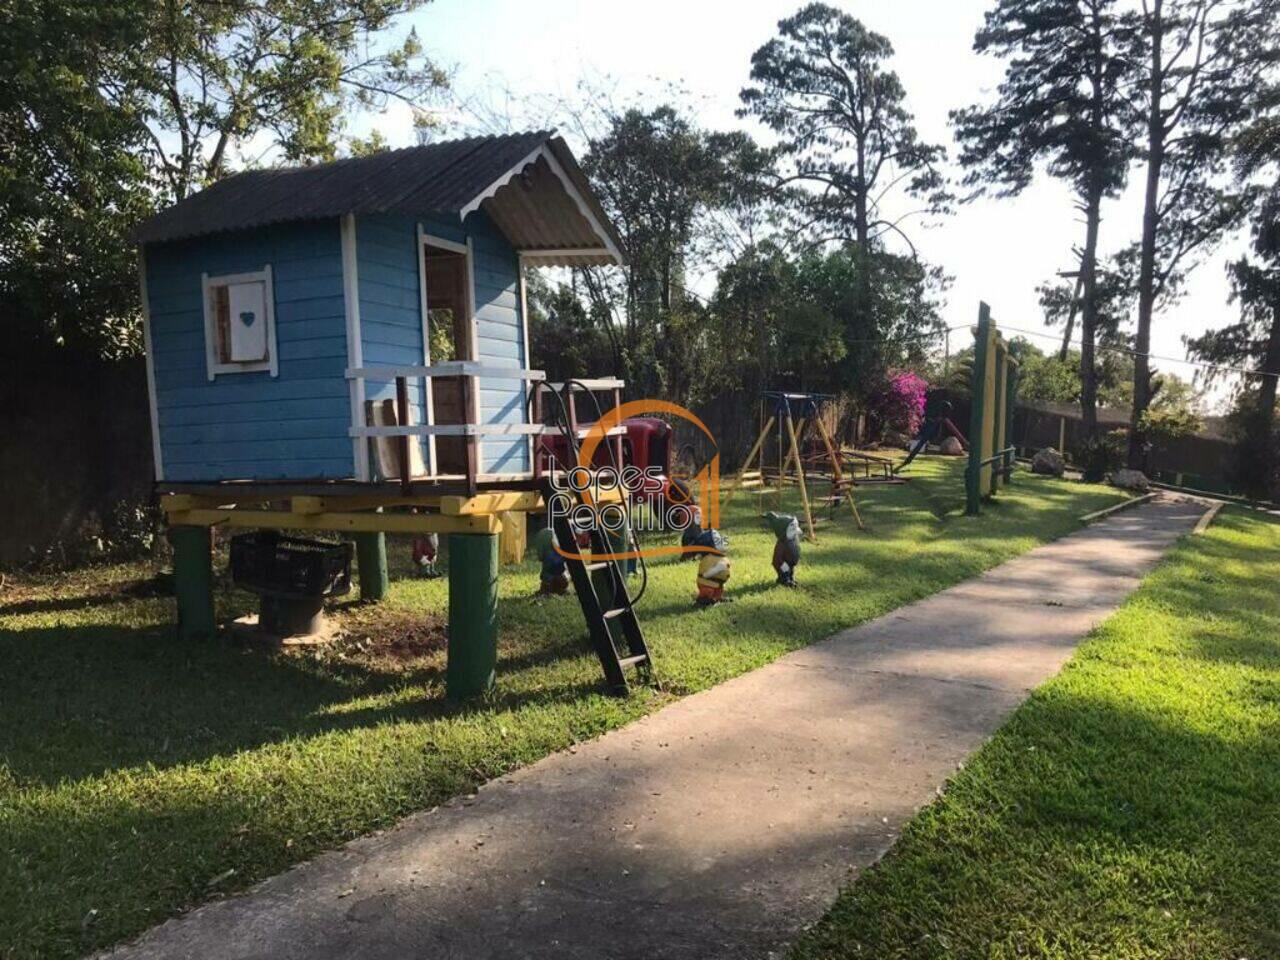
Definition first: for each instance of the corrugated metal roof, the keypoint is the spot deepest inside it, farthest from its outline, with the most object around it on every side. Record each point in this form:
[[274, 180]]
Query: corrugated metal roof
[[536, 212]]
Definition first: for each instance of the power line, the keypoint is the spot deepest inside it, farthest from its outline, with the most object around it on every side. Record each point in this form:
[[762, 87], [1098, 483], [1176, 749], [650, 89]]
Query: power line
[[1243, 371]]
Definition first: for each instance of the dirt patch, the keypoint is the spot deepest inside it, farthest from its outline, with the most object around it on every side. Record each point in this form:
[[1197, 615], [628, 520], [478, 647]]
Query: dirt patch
[[390, 637]]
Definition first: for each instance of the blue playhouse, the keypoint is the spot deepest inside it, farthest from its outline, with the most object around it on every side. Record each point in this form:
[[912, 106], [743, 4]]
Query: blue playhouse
[[361, 321]]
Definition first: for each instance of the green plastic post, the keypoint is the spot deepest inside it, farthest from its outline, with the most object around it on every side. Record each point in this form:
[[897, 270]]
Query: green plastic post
[[977, 415], [371, 560], [1011, 396], [193, 582], [473, 614], [997, 420]]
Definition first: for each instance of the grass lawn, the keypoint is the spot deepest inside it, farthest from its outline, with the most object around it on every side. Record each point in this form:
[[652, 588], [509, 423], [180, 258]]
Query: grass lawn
[[1129, 809], [139, 776]]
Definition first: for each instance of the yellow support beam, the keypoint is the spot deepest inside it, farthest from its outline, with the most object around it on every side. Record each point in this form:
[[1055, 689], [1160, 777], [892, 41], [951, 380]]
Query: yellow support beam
[[481, 503], [348, 522], [512, 542], [503, 502]]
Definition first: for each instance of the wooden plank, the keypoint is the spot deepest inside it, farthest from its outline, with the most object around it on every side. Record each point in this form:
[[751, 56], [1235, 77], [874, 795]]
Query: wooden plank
[[178, 502], [345, 522], [1116, 508], [470, 430], [450, 368], [1209, 516], [603, 383]]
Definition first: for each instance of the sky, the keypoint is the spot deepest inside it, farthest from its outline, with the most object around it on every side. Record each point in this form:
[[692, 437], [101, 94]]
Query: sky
[[997, 250]]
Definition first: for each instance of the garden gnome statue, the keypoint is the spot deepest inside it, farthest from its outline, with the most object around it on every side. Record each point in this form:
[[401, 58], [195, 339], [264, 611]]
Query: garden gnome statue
[[786, 550], [713, 568], [555, 577], [425, 551]]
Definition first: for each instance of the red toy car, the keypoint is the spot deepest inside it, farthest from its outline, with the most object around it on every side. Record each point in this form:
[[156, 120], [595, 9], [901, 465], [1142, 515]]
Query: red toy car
[[646, 444]]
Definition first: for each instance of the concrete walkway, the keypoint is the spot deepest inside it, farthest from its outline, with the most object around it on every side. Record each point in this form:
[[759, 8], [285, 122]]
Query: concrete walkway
[[720, 826]]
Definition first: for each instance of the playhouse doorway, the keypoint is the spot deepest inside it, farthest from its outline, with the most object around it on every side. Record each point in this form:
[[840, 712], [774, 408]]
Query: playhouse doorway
[[449, 329]]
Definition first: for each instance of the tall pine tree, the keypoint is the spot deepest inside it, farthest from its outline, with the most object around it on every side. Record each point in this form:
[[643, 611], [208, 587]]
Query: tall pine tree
[[1202, 62], [1254, 341], [823, 85], [1061, 105]]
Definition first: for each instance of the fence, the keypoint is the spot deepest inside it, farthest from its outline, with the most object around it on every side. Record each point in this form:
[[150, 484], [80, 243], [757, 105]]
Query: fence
[[75, 454]]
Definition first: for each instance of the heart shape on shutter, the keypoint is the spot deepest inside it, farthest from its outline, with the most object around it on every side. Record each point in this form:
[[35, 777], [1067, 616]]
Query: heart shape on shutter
[[247, 317]]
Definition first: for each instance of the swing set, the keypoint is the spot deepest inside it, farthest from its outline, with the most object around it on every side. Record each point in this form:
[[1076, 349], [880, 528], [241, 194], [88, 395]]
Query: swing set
[[790, 416]]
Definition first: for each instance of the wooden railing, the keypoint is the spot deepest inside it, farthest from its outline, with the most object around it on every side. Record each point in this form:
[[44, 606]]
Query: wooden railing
[[470, 373]]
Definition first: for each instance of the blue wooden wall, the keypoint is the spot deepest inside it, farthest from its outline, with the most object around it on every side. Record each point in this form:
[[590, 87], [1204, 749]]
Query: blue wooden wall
[[251, 425], [501, 340], [391, 306], [391, 318], [294, 426]]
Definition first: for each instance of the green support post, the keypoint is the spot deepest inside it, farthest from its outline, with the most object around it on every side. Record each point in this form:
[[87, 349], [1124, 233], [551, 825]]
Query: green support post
[[193, 582], [1011, 395], [473, 614], [977, 416], [371, 561], [998, 420]]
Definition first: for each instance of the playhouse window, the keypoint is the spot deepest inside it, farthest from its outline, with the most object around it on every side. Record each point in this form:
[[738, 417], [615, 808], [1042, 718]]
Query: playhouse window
[[239, 323]]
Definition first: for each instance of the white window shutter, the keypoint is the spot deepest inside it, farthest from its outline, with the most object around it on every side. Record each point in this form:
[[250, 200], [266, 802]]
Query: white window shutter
[[247, 322]]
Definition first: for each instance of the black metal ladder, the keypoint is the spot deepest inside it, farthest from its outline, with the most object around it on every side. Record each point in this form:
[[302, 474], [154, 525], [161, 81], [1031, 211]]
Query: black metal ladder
[[601, 588], [600, 584]]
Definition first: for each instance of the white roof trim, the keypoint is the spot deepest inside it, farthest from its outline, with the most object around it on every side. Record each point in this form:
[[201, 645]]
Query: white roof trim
[[575, 195], [498, 184], [577, 198], [539, 253]]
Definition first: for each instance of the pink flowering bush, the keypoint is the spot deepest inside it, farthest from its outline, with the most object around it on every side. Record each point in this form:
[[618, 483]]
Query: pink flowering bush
[[898, 404]]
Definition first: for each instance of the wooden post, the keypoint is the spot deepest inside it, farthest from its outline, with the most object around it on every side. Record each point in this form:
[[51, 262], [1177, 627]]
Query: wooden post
[[759, 446], [841, 485], [473, 614], [617, 441], [512, 539], [470, 390], [536, 466], [804, 492], [764, 430], [402, 418], [193, 582], [1062, 435], [371, 563], [794, 453]]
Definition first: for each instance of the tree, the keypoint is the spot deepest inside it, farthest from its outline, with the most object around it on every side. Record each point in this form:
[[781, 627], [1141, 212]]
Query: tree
[[661, 179], [112, 105], [799, 323], [1061, 104], [1202, 62], [564, 340], [220, 74], [71, 181], [1254, 341], [823, 87], [1044, 378]]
